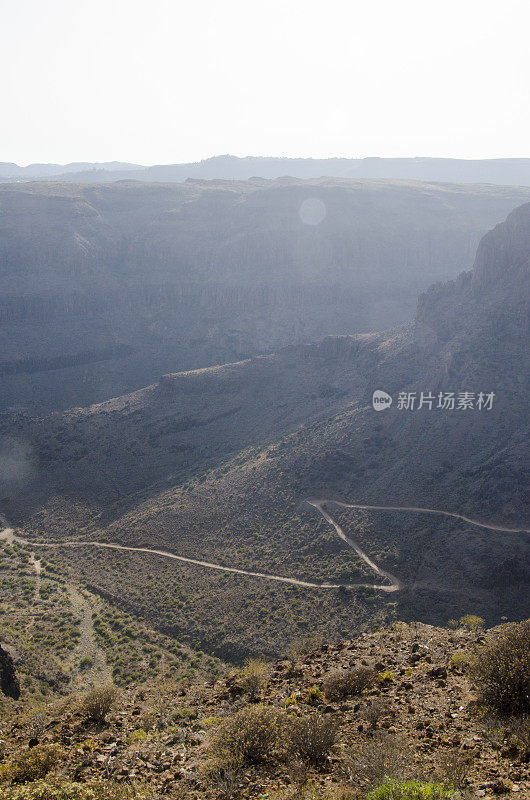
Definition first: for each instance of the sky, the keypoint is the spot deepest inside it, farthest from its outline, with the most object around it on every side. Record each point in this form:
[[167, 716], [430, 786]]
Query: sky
[[168, 81]]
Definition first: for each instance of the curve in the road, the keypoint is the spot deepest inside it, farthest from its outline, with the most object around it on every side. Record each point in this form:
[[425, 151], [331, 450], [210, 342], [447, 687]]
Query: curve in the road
[[393, 587], [394, 584], [420, 510]]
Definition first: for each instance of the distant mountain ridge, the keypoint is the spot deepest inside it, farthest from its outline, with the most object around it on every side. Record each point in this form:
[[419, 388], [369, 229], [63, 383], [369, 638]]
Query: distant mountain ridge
[[104, 287], [502, 171], [9, 169]]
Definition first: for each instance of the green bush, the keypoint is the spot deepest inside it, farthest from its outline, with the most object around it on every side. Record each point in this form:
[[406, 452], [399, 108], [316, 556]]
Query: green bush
[[412, 790], [502, 671], [342, 685], [313, 696], [460, 660]]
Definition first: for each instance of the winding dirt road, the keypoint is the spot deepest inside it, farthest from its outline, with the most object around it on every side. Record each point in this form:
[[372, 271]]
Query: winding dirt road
[[394, 583], [431, 511]]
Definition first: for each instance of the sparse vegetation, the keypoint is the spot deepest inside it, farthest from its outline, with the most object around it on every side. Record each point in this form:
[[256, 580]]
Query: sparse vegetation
[[98, 702], [502, 671], [342, 685]]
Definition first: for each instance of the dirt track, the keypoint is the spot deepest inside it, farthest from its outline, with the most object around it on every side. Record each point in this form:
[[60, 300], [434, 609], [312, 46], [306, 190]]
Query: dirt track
[[394, 583]]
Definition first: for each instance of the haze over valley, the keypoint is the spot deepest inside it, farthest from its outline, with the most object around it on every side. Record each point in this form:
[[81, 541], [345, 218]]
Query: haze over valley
[[264, 416], [106, 287]]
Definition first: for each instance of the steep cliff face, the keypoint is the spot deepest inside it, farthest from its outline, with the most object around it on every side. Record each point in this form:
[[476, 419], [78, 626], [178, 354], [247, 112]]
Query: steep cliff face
[[9, 684], [491, 303], [104, 288]]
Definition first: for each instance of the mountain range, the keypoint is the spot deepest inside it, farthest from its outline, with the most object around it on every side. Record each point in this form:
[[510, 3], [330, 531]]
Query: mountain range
[[502, 171]]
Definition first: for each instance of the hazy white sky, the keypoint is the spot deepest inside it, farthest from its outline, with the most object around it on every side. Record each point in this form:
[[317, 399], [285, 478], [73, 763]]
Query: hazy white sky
[[164, 81]]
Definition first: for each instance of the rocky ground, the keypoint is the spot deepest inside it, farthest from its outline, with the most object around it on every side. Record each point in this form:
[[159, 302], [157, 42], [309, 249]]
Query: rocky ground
[[423, 702]]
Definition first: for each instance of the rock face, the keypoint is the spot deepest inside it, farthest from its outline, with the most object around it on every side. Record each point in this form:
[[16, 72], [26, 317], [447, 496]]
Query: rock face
[[9, 684], [103, 288]]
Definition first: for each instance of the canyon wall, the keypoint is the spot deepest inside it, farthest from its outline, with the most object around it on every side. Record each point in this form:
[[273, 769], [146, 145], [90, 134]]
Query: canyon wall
[[103, 288]]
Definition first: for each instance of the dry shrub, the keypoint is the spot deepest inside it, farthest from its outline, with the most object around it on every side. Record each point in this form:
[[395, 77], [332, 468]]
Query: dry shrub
[[342, 685], [384, 756], [375, 711], [36, 724], [248, 737], [98, 702], [502, 671], [30, 764], [254, 676], [302, 646], [453, 767], [310, 738], [519, 730], [312, 791], [64, 789]]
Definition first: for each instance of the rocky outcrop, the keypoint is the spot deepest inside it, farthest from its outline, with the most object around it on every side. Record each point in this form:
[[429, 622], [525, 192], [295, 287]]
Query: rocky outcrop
[[9, 684], [492, 299]]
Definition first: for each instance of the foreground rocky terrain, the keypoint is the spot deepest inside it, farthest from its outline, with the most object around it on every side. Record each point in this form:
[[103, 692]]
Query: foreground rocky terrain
[[417, 715]]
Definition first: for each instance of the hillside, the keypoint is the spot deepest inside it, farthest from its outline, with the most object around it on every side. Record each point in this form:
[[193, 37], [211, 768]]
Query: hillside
[[415, 713], [106, 287], [218, 466], [59, 637]]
